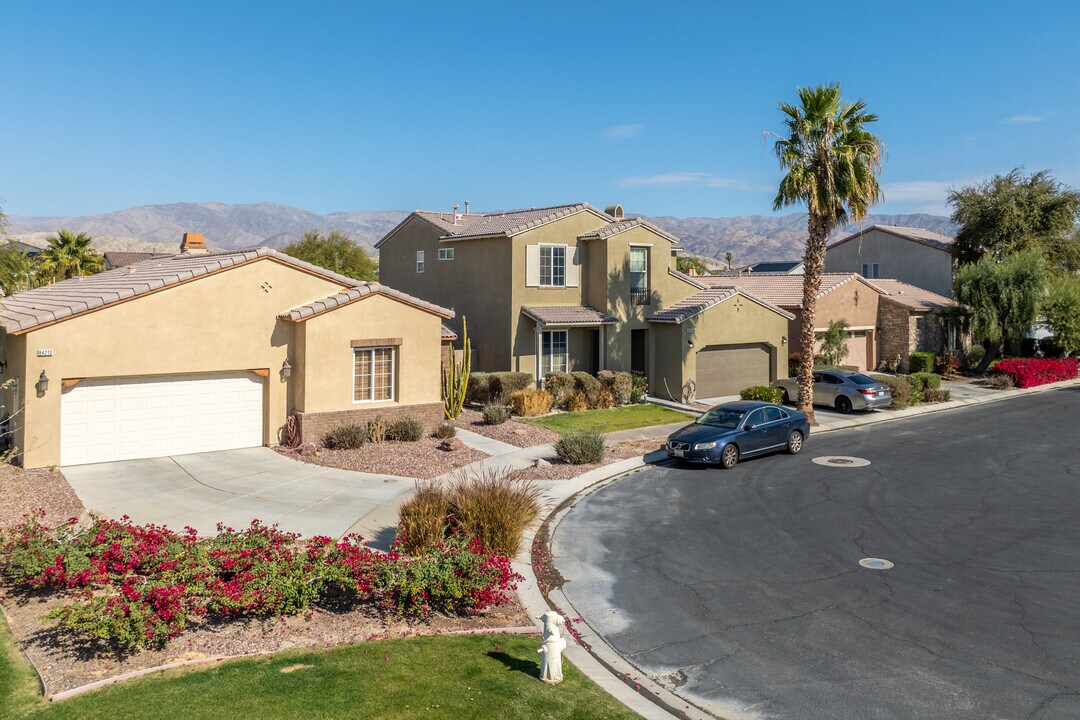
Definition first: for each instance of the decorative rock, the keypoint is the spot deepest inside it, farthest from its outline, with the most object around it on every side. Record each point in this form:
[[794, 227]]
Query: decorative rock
[[307, 450], [541, 463], [519, 431], [451, 444], [552, 649]]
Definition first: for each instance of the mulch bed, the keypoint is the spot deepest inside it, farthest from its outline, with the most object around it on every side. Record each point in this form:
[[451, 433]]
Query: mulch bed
[[67, 663], [511, 432], [421, 459], [22, 491], [559, 470]]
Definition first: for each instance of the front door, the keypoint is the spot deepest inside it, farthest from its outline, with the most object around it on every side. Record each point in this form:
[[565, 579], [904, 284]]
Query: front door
[[639, 361]]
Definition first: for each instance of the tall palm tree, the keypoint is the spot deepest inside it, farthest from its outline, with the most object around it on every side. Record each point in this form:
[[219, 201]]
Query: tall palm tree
[[70, 255], [832, 162]]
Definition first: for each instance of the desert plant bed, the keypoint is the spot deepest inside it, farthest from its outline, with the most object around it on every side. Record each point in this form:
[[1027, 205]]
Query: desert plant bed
[[458, 676], [22, 491], [512, 432], [421, 459], [605, 421], [112, 597], [556, 469]]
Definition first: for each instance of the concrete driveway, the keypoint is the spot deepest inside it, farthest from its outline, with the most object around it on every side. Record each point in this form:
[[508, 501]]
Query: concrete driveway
[[236, 486]]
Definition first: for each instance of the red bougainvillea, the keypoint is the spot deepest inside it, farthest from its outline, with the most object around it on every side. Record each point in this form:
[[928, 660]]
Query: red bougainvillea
[[1029, 372]]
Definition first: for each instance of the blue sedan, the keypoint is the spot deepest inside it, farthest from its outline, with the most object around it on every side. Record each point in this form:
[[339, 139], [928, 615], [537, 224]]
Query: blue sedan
[[735, 430]]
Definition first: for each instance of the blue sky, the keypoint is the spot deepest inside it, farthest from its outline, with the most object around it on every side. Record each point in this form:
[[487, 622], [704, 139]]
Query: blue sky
[[659, 106]]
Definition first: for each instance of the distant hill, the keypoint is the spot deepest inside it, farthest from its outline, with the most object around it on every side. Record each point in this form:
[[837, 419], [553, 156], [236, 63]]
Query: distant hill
[[751, 238]]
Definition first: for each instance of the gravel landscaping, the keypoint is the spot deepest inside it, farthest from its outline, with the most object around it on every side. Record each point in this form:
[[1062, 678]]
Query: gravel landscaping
[[66, 662], [22, 491], [511, 432], [421, 459], [559, 470]]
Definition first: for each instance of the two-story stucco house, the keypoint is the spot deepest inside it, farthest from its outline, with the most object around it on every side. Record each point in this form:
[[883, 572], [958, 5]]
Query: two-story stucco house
[[922, 258], [574, 288]]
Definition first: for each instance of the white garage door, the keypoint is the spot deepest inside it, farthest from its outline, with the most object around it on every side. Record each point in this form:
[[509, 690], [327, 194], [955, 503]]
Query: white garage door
[[140, 417]]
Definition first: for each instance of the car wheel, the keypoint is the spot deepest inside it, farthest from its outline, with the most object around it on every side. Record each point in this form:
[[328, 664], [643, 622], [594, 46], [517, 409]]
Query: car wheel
[[784, 397], [729, 456], [843, 405], [794, 442]]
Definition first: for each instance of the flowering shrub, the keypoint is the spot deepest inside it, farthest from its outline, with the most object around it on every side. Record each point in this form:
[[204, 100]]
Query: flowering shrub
[[1029, 372], [135, 585]]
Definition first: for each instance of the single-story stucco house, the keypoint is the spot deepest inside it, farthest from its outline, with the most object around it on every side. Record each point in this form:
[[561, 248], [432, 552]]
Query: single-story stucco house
[[201, 351]]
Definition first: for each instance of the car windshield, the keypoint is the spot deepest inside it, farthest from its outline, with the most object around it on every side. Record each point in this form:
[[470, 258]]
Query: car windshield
[[721, 418], [859, 379]]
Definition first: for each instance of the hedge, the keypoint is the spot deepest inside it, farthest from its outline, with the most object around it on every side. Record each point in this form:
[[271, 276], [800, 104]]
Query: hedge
[[919, 362], [1029, 372]]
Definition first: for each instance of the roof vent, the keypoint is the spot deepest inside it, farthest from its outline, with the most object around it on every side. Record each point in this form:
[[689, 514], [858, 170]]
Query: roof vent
[[457, 215], [614, 211], [193, 243]]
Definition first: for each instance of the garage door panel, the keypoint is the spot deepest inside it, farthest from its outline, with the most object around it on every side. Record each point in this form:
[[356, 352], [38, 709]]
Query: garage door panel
[[726, 370], [127, 418]]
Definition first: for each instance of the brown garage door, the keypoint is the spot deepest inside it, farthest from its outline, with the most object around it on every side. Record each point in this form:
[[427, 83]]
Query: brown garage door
[[856, 351], [727, 369]]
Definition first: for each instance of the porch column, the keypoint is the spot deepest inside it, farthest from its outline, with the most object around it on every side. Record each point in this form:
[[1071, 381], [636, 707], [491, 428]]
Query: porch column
[[539, 353], [600, 349]]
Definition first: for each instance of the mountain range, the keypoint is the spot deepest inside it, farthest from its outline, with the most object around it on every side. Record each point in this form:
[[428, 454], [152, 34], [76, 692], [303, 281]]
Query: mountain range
[[750, 238]]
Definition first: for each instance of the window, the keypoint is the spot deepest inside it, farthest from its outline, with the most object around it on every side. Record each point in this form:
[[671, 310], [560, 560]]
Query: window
[[373, 374], [639, 276], [419, 261], [446, 253], [554, 355], [553, 266], [869, 270], [773, 414], [754, 418]]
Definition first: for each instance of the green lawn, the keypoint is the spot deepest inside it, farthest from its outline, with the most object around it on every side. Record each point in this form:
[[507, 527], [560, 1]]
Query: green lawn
[[622, 418], [451, 676]]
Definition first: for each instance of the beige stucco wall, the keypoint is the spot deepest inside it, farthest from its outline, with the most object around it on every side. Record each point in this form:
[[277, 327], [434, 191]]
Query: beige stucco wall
[[326, 383], [475, 284], [897, 258], [227, 321], [856, 302]]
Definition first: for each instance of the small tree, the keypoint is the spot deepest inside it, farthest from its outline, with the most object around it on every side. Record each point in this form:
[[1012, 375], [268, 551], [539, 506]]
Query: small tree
[[686, 263], [456, 375], [335, 252], [1061, 310], [18, 271], [1002, 298], [834, 342]]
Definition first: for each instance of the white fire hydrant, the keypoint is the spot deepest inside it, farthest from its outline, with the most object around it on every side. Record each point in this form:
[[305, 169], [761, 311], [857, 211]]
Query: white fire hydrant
[[552, 649]]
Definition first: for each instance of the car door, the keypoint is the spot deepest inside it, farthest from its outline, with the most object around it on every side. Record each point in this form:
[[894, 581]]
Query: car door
[[776, 425], [826, 387], [755, 435]]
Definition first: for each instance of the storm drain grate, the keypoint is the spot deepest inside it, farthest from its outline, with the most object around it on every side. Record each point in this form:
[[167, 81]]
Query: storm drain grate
[[876, 564], [841, 461]]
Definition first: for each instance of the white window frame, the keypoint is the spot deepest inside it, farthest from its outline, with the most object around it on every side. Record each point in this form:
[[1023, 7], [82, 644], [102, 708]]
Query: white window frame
[[446, 253], [547, 340], [551, 266], [419, 261], [371, 384]]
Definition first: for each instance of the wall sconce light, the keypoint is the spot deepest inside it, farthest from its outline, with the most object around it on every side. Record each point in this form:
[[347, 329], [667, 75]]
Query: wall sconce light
[[783, 340], [690, 343], [42, 383], [286, 369]]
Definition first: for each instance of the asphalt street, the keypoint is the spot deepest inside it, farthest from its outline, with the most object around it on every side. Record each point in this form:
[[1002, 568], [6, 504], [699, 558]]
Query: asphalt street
[[742, 589]]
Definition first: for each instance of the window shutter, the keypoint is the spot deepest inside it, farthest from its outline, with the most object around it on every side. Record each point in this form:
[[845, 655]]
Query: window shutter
[[573, 263], [532, 266]]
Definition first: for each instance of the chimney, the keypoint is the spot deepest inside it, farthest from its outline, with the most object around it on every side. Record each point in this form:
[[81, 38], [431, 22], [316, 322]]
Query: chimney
[[193, 244], [456, 214], [466, 207]]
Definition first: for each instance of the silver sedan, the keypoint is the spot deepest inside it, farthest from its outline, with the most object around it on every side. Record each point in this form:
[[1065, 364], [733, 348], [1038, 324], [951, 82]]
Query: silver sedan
[[841, 389]]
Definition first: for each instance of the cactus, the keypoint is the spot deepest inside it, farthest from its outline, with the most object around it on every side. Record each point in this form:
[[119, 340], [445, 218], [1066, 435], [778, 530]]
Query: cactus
[[456, 376]]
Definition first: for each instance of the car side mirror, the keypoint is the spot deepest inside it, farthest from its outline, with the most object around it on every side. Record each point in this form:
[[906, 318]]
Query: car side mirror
[[751, 426]]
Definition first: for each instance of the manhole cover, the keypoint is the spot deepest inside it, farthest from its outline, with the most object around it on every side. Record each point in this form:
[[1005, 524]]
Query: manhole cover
[[876, 564], [841, 461]]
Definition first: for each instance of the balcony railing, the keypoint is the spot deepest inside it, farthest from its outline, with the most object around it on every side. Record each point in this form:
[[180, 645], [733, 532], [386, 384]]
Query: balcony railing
[[640, 297]]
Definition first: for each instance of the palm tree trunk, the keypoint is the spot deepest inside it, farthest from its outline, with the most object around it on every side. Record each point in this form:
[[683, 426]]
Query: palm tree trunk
[[814, 267]]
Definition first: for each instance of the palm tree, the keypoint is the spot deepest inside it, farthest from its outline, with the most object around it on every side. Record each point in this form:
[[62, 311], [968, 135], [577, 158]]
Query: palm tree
[[832, 163], [70, 255]]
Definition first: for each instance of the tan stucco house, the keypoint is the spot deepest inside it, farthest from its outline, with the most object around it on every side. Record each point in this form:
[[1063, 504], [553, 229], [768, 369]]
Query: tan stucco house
[[914, 319], [919, 257], [572, 287], [209, 351]]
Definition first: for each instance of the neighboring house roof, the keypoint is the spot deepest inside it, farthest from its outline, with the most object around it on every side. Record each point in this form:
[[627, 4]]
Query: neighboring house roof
[[63, 300], [359, 292], [697, 304], [785, 266], [913, 297], [465, 226], [567, 315], [919, 235], [605, 231], [117, 258], [25, 247], [690, 280], [783, 290], [448, 332]]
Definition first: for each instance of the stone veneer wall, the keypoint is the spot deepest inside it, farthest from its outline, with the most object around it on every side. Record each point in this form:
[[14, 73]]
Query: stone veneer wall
[[314, 425], [895, 332]]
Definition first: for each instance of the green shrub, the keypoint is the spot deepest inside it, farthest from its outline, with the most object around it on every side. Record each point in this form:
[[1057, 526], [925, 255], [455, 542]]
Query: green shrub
[[422, 518], [639, 386], [763, 393], [1000, 382], [561, 387], [494, 507], [581, 448], [921, 382], [974, 356], [919, 362], [590, 386], [901, 390], [504, 384], [478, 390], [345, 437], [444, 430], [936, 395], [407, 429], [531, 402], [495, 413]]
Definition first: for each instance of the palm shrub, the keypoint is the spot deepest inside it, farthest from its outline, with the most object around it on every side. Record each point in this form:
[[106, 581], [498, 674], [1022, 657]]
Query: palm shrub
[[494, 507], [531, 402], [763, 393], [406, 429], [495, 413], [422, 518], [584, 447], [345, 437], [456, 377]]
